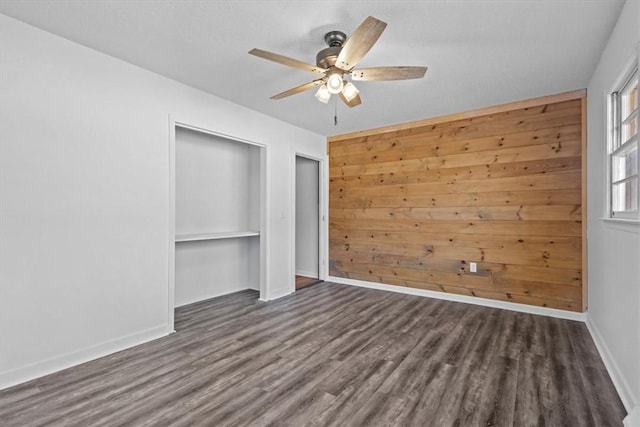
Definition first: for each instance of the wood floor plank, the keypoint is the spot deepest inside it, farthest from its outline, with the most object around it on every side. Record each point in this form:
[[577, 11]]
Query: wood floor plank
[[303, 281], [335, 355]]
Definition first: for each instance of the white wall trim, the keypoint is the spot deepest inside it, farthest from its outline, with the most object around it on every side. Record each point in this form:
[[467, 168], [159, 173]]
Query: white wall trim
[[58, 363], [265, 221], [171, 226], [633, 419], [619, 381], [278, 293], [244, 287], [523, 308], [626, 225]]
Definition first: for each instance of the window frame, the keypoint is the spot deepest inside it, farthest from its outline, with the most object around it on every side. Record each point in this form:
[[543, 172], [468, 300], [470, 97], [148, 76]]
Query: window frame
[[616, 146]]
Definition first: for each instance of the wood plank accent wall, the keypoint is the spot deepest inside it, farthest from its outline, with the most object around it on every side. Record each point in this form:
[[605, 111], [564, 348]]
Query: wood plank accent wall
[[413, 204]]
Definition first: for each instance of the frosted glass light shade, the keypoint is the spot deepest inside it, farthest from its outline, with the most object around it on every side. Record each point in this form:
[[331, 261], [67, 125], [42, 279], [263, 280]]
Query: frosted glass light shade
[[335, 83], [350, 91], [323, 94]]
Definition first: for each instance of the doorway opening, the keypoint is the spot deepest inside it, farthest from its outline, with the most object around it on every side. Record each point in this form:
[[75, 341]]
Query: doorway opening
[[307, 222]]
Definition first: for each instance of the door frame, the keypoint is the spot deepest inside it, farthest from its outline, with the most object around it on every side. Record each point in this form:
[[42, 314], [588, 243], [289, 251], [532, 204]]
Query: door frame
[[323, 229]]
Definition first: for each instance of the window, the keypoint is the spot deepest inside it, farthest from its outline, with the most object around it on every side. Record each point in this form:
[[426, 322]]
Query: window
[[623, 156]]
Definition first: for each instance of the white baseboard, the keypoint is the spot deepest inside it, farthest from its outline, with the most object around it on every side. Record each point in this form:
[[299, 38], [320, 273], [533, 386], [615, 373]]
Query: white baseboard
[[307, 273], [58, 363], [278, 293], [626, 394], [523, 308], [216, 293], [633, 419]]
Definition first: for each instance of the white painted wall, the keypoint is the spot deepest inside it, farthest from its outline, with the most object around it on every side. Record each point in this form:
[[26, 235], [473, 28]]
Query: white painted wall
[[307, 213], [214, 183], [84, 187], [210, 268], [613, 248]]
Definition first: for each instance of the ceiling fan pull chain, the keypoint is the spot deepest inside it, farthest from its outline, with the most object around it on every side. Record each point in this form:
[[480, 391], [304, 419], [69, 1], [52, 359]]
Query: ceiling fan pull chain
[[335, 112]]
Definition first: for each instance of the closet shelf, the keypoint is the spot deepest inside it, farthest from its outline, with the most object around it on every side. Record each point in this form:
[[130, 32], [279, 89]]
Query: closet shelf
[[215, 236]]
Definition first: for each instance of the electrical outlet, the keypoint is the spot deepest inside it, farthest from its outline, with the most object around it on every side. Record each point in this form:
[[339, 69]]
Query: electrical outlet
[[473, 267]]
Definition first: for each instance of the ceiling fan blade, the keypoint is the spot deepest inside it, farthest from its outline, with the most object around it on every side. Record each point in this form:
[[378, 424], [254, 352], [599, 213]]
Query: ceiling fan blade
[[388, 73], [362, 39], [298, 89], [354, 101], [285, 60]]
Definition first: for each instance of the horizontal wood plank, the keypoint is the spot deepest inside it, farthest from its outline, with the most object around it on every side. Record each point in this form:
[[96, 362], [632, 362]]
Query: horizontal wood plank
[[464, 240], [503, 228], [508, 155], [465, 173], [433, 145], [491, 198], [489, 213]]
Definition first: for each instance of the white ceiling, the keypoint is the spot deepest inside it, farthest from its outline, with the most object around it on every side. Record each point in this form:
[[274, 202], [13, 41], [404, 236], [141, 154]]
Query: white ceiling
[[479, 53]]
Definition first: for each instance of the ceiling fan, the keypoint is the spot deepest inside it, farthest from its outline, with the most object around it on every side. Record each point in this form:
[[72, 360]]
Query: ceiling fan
[[337, 61]]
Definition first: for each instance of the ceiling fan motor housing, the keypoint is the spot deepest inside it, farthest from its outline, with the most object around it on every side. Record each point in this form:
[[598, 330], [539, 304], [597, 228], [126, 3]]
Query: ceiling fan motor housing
[[327, 57]]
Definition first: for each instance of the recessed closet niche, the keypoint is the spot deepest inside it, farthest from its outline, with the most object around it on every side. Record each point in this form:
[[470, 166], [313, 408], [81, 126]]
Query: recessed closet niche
[[217, 215]]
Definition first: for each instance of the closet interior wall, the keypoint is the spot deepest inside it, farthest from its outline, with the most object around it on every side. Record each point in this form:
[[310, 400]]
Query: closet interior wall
[[217, 199]]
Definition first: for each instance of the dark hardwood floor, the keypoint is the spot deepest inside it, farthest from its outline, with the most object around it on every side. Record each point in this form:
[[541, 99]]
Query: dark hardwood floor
[[303, 281], [335, 355]]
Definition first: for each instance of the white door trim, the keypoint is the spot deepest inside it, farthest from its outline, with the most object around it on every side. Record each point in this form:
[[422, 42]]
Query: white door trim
[[323, 215], [264, 223]]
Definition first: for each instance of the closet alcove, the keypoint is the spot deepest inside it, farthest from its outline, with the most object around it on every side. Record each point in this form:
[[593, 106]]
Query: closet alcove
[[218, 201]]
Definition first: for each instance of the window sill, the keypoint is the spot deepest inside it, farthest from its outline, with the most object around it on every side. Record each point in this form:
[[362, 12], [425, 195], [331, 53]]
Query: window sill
[[623, 224]]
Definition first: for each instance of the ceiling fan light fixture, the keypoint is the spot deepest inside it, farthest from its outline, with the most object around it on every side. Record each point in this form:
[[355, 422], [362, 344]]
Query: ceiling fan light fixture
[[333, 63], [335, 83], [323, 94], [350, 91]]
